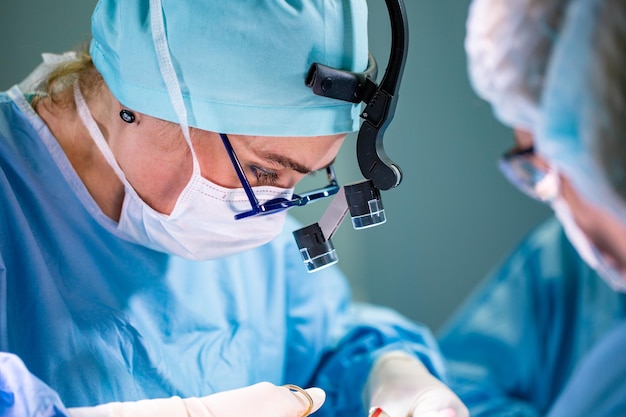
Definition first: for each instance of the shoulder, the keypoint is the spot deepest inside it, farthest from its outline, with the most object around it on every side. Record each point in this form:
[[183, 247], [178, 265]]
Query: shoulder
[[545, 254], [542, 273], [16, 132], [8, 114]]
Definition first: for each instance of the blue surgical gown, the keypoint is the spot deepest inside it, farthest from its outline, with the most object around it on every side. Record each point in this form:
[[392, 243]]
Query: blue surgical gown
[[543, 336], [95, 318]]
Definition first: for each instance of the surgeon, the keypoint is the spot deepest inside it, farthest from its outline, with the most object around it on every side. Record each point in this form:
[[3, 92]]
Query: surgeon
[[127, 286], [545, 334]]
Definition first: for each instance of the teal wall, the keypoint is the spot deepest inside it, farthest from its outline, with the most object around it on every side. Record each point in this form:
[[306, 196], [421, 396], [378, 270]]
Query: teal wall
[[452, 218]]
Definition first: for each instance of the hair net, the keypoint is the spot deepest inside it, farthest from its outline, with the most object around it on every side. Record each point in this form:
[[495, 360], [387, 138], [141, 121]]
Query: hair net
[[583, 107], [508, 43], [240, 65]]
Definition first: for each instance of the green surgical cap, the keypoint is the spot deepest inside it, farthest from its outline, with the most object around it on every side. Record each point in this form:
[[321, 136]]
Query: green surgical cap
[[240, 64]]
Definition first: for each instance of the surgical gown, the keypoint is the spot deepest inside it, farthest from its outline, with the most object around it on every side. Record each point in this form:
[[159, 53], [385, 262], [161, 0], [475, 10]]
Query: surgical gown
[[543, 336], [95, 318]]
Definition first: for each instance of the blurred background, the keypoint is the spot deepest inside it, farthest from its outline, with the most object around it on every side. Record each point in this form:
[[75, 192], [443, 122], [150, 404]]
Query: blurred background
[[453, 217]]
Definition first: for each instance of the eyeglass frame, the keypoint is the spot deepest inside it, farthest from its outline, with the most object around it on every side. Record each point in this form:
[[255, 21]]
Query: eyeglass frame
[[279, 204], [544, 184]]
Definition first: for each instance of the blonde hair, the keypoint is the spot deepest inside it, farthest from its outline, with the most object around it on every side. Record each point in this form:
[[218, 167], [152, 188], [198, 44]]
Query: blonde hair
[[607, 129], [58, 85]]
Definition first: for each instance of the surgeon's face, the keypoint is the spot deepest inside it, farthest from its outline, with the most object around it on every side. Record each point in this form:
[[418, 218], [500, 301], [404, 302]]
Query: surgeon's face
[[157, 161], [601, 228]]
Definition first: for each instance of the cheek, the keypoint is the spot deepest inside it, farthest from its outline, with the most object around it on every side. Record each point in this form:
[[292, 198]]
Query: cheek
[[215, 165], [156, 167], [602, 229], [126, 154]]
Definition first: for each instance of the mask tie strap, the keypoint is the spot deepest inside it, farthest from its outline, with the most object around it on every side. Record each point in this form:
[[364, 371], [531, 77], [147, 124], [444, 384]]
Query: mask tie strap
[[96, 133], [168, 73]]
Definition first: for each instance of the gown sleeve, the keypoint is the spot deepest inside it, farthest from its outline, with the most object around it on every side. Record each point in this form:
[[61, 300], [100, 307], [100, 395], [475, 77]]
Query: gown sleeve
[[334, 340], [368, 332], [21, 393]]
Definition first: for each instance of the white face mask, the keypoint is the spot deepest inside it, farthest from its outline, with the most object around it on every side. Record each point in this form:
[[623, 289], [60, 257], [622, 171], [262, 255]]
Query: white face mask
[[201, 225], [585, 248]]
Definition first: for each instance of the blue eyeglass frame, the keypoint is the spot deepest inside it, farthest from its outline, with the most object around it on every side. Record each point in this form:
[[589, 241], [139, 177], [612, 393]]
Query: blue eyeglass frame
[[277, 204], [519, 168]]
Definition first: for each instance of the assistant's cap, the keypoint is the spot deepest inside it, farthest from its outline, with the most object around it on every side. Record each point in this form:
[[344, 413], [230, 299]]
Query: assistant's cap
[[240, 65], [508, 45], [583, 129]]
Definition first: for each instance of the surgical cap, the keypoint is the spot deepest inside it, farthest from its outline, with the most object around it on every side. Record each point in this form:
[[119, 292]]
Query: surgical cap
[[508, 43], [240, 65], [583, 104]]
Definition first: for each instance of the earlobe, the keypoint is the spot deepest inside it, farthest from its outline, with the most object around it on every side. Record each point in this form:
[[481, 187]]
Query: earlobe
[[127, 116]]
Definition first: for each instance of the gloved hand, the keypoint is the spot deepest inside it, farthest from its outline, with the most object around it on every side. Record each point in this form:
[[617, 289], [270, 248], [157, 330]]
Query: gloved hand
[[402, 386], [22, 394], [262, 400]]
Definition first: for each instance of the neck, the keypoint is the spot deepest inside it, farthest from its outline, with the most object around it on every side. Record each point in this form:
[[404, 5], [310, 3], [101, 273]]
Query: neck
[[82, 152]]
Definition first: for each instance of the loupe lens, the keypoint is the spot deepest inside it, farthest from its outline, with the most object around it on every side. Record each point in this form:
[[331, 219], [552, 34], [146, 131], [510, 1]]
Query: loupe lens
[[316, 251], [365, 204]]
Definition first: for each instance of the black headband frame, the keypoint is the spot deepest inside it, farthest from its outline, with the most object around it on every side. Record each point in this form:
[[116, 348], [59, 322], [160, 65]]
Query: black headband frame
[[380, 99]]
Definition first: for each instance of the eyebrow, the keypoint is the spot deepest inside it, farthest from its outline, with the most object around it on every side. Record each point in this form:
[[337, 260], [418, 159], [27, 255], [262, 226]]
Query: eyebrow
[[289, 163]]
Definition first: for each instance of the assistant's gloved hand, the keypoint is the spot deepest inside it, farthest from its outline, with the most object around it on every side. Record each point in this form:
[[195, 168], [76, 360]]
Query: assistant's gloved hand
[[261, 400], [402, 386]]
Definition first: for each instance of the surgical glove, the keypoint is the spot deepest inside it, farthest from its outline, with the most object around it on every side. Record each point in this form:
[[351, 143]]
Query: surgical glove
[[262, 400], [402, 386], [22, 394]]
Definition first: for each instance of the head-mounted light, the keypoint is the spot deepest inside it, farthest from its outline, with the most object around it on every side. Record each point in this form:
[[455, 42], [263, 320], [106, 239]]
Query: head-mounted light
[[363, 198]]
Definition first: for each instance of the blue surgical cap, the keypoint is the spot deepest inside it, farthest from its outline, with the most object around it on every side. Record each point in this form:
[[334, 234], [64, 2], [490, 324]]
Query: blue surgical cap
[[508, 44], [240, 64], [567, 136]]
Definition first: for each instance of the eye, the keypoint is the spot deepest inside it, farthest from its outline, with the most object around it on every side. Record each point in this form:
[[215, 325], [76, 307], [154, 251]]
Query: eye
[[263, 176]]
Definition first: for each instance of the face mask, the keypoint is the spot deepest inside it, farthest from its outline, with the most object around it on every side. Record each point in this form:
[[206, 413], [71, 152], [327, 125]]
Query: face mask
[[585, 248], [201, 225]]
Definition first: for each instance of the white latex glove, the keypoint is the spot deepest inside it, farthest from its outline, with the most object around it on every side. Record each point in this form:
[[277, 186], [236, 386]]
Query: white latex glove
[[261, 400], [402, 386]]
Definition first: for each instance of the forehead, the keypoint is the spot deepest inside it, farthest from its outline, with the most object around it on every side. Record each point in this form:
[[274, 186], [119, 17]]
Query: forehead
[[308, 153], [287, 144]]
